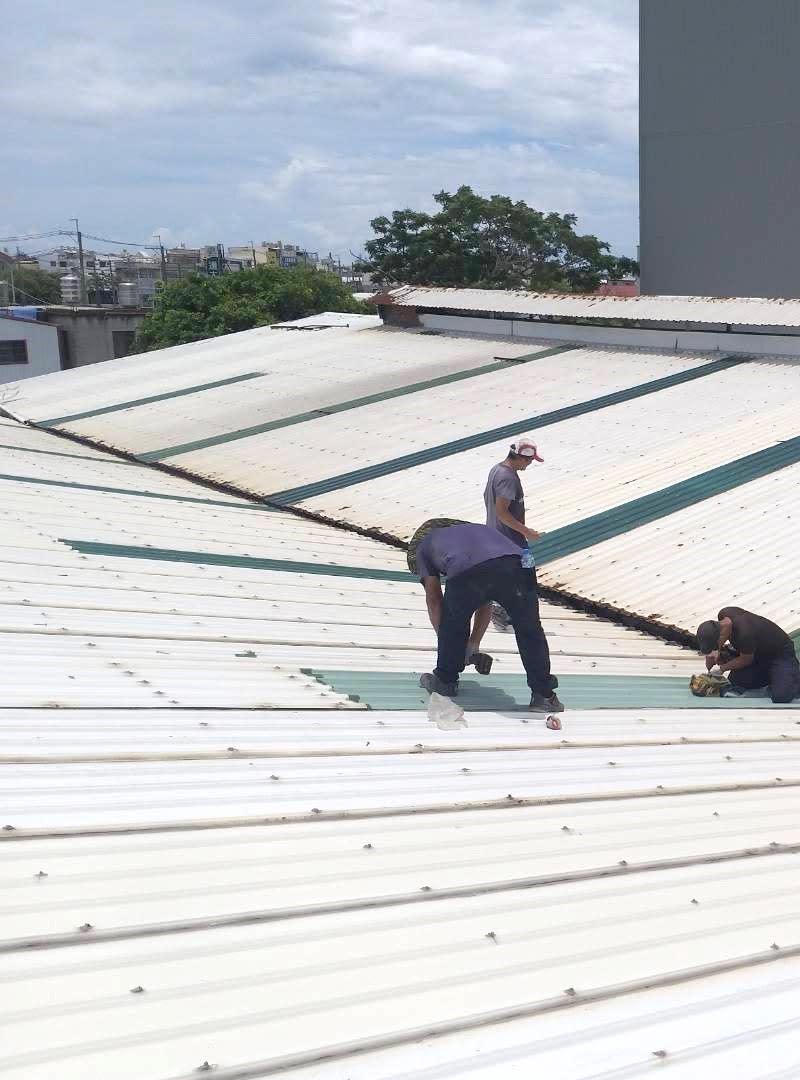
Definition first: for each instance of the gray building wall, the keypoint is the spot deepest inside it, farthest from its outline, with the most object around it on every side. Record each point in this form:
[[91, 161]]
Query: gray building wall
[[94, 334], [720, 147]]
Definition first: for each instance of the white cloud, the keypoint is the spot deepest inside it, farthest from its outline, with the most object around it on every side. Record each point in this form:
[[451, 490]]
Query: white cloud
[[231, 120]]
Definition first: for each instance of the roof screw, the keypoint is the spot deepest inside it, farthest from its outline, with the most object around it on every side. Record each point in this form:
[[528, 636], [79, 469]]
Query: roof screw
[[9, 828], [40, 874], [695, 901], [466, 770], [426, 888], [622, 862], [233, 750], [87, 926], [715, 814], [510, 797], [205, 1067], [315, 810], [367, 847], [136, 990], [566, 828], [274, 776], [493, 937], [659, 787], [775, 844], [728, 757], [775, 947], [571, 991], [660, 1053], [612, 763], [203, 723]]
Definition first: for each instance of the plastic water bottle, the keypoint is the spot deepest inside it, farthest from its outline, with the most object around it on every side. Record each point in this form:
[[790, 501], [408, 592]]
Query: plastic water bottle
[[528, 561]]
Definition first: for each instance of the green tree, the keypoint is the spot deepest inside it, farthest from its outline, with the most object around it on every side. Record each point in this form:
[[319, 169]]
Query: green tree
[[202, 307], [492, 243], [31, 285]]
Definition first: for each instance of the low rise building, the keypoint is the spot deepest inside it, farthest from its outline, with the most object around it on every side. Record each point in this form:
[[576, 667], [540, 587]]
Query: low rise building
[[28, 347]]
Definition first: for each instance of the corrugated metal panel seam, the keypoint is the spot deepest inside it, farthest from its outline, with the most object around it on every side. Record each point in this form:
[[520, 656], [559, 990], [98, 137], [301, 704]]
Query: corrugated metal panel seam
[[621, 519], [399, 690], [75, 486], [183, 392], [470, 442], [346, 406], [417, 809], [130, 551], [568, 1000], [61, 454], [376, 903]]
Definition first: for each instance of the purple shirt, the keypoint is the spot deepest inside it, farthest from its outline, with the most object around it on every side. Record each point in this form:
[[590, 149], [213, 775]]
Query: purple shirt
[[455, 549]]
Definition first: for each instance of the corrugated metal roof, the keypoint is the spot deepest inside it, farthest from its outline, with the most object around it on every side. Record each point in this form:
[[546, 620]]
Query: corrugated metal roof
[[226, 864], [735, 311]]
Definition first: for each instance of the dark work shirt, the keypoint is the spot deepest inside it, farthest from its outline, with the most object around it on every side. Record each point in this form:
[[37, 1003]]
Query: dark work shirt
[[755, 634], [455, 549]]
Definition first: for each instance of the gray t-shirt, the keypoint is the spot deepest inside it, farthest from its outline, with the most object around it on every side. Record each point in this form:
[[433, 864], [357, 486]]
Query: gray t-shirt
[[455, 549], [504, 483]]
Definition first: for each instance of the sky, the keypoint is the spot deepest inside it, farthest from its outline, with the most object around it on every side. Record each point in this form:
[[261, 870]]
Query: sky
[[208, 121]]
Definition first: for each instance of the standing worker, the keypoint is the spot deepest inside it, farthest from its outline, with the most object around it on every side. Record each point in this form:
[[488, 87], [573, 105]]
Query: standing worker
[[753, 651], [480, 565], [505, 508]]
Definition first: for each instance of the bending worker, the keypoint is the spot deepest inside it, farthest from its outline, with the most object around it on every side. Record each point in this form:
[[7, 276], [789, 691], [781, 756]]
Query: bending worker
[[480, 565], [752, 651]]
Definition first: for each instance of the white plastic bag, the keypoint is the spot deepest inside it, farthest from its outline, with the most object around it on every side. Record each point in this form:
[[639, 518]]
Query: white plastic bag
[[445, 713]]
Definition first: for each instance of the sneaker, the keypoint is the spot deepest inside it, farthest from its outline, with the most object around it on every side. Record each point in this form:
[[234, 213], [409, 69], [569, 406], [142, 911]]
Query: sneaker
[[500, 619], [545, 703], [434, 685], [481, 661]]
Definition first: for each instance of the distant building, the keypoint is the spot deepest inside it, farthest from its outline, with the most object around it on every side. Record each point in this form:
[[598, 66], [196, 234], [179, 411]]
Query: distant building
[[628, 287], [93, 334], [28, 347]]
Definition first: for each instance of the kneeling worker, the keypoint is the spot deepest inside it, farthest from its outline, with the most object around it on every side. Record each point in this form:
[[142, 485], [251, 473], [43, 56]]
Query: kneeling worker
[[480, 565], [753, 651]]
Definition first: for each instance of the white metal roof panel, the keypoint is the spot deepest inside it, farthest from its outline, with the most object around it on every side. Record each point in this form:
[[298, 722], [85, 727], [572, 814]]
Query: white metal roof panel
[[737, 311], [378, 432], [592, 462], [737, 548], [282, 993], [327, 319]]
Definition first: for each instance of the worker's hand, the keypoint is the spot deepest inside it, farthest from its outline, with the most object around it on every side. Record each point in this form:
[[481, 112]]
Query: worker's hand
[[532, 534], [712, 660]]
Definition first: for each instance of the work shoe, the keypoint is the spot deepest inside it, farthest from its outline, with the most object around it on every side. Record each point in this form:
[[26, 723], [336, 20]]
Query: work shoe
[[434, 685], [545, 703], [500, 619], [481, 661]]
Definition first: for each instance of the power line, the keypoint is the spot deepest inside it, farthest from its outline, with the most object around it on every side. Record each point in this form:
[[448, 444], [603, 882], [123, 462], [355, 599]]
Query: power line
[[36, 236], [121, 243]]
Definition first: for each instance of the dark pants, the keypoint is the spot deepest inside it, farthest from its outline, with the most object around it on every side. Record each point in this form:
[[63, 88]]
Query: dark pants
[[504, 581], [781, 674]]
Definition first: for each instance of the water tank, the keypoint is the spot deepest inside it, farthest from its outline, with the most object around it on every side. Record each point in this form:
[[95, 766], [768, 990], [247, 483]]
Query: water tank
[[71, 289], [128, 294]]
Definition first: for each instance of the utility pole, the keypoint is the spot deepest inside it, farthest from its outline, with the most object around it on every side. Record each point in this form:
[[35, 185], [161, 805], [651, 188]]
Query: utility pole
[[80, 260], [253, 249], [13, 288], [163, 259]]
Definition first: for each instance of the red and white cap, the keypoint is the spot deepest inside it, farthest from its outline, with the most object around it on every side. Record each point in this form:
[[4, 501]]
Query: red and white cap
[[526, 448]]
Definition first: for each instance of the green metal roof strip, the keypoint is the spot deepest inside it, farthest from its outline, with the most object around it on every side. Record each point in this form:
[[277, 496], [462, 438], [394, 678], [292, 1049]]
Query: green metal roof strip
[[345, 406], [470, 442], [631, 515], [60, 453], [498, 693], [132, 491], [209, 558], [120, 405]]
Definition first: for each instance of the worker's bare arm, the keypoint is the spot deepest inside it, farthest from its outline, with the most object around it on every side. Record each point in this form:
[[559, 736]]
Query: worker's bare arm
[[433, 598], [503, 514], [736, 663]]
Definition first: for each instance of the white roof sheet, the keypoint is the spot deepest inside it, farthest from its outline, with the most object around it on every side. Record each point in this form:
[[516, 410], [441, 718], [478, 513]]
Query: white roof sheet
[[737, 311], [254, 873]]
